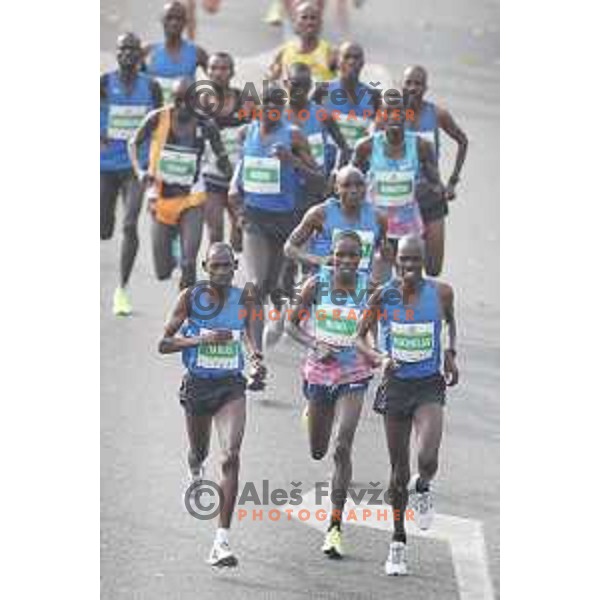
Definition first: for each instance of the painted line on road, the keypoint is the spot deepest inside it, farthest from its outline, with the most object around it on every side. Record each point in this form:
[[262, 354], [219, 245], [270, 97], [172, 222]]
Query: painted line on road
[[464, 536]]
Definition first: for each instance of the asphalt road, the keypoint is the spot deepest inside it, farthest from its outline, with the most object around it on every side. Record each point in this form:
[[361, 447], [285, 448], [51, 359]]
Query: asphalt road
[[151, 547]]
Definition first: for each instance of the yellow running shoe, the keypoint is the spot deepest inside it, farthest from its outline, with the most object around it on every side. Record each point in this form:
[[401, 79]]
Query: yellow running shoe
[[275, 14], [121, 304], [332, 546]]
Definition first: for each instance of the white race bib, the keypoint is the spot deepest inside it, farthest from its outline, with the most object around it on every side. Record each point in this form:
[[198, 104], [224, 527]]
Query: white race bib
[[177, 166], [262, 175], [224, 355], [317, 147], [412, 342], [367, 242], [229, 136], [352, 129], [123, 121], [340, 331], [393, 188]]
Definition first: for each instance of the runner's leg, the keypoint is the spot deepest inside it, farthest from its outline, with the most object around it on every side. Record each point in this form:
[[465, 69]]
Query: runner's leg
[[213, 213], [198, 430], [398, 430], [134, 198], [429, 425], [230, 422], [434, 247], [190, 227], [164, 262], [348, 408], [110, 184]]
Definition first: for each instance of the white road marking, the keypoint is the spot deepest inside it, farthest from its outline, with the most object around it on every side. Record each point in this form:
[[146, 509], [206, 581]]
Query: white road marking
[[464, 536]]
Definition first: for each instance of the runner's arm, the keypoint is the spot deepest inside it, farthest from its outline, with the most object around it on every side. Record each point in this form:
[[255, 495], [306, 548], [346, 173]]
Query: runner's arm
[[275, 68], [171, 341], [146, 129], [448, 124], [214, 137], [446, 295], [201, 58], [333, 129], [302, 158], [301, 312], [368, 326], [103, 100], [428, 163], [157, 95], [294, 248], [190, 24]]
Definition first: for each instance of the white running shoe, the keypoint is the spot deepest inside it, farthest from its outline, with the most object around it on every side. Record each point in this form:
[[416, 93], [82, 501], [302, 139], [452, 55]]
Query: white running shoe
[[221, 555], [396, 560], [422, 504]]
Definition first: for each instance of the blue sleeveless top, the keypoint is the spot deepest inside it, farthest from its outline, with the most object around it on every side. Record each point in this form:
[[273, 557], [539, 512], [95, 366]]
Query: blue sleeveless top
[[120, 116], [269, 184], [367, 227], [416, 341], [213, 361]]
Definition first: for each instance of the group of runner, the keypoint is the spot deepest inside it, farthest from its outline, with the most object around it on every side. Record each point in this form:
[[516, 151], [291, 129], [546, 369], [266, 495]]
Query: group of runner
[[336, 208]]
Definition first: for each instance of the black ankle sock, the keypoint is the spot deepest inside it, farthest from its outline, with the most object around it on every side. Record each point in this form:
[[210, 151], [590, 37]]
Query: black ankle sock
[[421, 486], [399, 537], [334, 523]]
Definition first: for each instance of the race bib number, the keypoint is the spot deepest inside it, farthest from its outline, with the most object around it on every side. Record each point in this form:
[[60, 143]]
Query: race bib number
[[367, 242], [225, 355], [393, 188], [262, 175], [123, 121], [337, 329], [177, 166], [353, 129], [412, 342], [317, 147]]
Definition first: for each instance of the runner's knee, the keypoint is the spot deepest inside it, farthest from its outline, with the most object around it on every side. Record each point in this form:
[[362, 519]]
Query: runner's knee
[[230, 463]]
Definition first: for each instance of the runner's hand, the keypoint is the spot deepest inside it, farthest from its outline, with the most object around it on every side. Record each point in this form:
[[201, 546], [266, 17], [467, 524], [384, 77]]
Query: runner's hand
[[282, 153], [324, 350], [389, 365], [225, 166], [449, 193], [450, 369]]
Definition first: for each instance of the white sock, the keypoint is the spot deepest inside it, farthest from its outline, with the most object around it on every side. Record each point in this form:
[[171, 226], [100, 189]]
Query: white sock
[[222, 535]]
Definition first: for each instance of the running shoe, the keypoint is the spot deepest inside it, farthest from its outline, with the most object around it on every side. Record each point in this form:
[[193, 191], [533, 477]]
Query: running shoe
[[422, 504], [222, 556], [275, 13], [121, 304], [396, 560], [332, 546]]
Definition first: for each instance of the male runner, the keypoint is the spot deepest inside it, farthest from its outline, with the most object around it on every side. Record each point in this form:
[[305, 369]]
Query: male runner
[[335, 375], [429, 118], [274, 154], [213, 388], [395, 162], [175, 58], [178, 143], [324, 222], [349, 101], [309, 48], [410, 311], [126, 96], [314, 121], [229, 120]]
